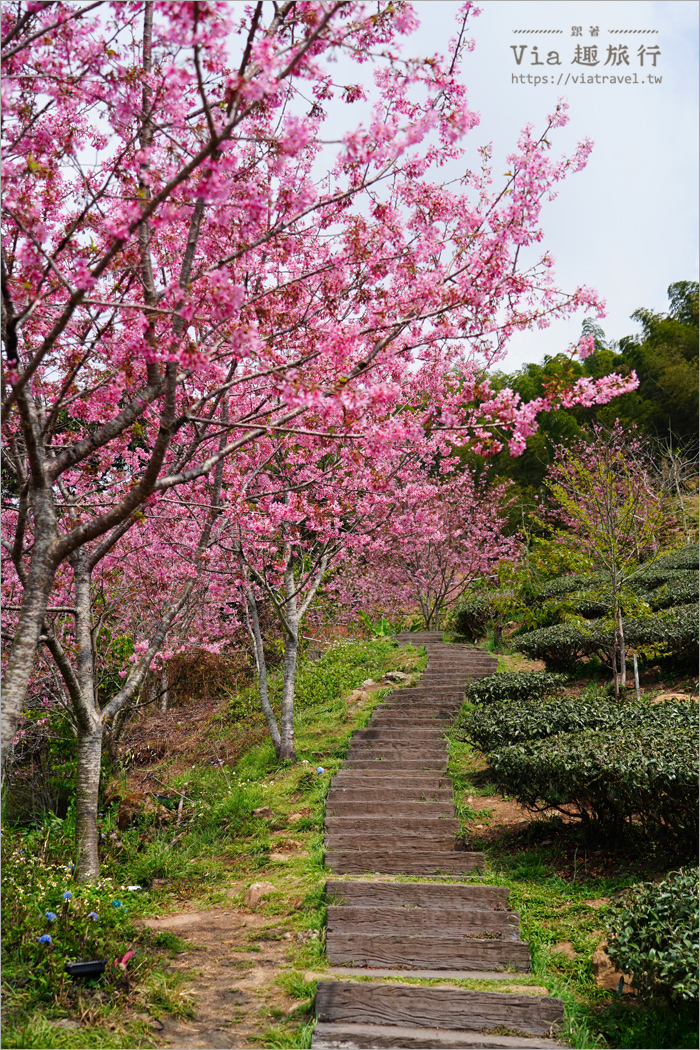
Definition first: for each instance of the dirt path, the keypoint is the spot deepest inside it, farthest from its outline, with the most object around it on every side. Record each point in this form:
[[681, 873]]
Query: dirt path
[[232, 966]]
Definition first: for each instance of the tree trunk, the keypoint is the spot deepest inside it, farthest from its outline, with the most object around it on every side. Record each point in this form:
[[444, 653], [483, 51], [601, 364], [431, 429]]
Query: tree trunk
[[623, 653], [164, 692], [26, 642], [261, 667], [291, 649], [616, 681], [86, 800]]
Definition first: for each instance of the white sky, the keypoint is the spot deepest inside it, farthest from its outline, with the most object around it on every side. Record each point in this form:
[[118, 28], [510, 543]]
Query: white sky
[[627, 224]]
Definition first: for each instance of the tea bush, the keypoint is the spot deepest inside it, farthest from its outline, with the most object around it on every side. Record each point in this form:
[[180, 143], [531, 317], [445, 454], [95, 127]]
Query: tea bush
[[673, 633], [473, 615], [645, 774], [654, 936], [503, 724], [515, 685], [562, 645]]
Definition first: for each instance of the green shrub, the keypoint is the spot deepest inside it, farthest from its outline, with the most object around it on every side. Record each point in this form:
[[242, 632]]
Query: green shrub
[[562, 645], [673, 633], [501, 724], [515, 685], [565, 585], [646, 774], [654, 936], [683, 558], [682, 591], [474, 614]]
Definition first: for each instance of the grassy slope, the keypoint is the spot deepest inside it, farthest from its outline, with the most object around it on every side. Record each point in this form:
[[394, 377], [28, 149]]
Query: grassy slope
[[208, 860], [220, 848]]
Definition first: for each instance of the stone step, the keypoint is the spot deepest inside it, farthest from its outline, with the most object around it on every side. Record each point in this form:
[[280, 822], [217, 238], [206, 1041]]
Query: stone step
[[390, 861], [387, 1037], [418, 894], [433, 950], [396, 837], [369, 807], [409, 922]]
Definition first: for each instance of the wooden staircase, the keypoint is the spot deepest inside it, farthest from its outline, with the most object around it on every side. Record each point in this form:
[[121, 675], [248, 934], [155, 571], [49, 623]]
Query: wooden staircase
[[390, 812]]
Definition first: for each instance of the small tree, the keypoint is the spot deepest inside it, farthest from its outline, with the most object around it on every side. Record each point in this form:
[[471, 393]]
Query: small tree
[[611, 511], [431, 555]]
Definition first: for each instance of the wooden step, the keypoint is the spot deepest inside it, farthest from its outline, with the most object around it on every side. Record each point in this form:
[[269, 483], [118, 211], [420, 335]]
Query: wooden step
[[387, 1037], [451, 1008], [430, 735], [356, 792], [430, 747], [418, 894], [361, 821], [407, 922], [407, 764], [391, 778], [360, 809], [394, 838], [401, 862], [432, 950]]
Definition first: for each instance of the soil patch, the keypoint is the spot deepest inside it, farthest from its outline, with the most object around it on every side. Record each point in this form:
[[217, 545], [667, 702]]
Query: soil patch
[[500, 815], [232, 962]]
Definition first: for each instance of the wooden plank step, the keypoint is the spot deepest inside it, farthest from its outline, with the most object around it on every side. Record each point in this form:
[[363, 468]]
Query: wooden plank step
[[394, 839], [417, 793], [439, 975], [431, 747], [387, 1037], [361, 809], [402, 862], [360, 822], [407, 764], [428, 950], [451, 1008], [388, 779], [408, 922], [429, 735], [417, 894]]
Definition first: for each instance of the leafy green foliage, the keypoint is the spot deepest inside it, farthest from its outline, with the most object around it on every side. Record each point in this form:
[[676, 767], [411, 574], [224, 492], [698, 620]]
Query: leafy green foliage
[[673, 632], [646, 774], [345, 666], [561, 645], [654, 936], [473, 615], [515, 685], [493, 726], [82, 921]]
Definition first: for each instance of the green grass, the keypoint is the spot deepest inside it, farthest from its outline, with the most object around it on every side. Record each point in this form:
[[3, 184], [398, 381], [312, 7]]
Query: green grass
[[218, 840]]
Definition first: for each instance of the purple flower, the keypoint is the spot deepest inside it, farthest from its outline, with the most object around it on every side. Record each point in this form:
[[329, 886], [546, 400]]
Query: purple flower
[[116, 904], [320, 769], [68, 896], [45, 938], [94, 916], [51, 916]]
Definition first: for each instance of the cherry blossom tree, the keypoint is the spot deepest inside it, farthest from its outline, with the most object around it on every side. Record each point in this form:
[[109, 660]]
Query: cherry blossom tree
[[434, 552], [186, 268], [603, 493]]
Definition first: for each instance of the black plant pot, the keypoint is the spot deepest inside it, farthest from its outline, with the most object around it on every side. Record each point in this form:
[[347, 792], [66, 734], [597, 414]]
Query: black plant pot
[[93, 968]]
